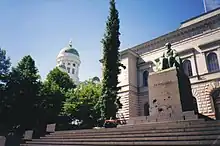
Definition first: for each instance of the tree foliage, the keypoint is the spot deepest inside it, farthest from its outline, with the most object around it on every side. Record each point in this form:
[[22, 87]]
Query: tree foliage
[[81, 103], [61, 79], [23, 89], [4, 72], [53, 93], [29, 102], [50, 102], [111, 63], [4, 67]]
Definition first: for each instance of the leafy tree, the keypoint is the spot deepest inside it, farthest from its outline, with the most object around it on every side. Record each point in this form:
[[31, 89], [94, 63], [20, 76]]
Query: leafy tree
[[4, 66], [82, 103], [53, 94], [4, 71], [110, 101], [50, 102], [60, 78], [22, 93]]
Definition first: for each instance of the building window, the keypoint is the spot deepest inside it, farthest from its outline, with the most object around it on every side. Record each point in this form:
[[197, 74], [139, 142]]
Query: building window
[[187, 67], [212, 62], [68, 63], [68, 69], [74, 64], [146, 109], [145, 78], [73, 71]]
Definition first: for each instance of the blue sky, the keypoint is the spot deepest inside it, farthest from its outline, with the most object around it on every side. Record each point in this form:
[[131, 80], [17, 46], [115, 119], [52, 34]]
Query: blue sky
[[41, 28]]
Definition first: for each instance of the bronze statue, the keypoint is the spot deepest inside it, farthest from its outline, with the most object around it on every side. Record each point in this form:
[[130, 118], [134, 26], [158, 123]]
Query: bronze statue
[[169, 59]]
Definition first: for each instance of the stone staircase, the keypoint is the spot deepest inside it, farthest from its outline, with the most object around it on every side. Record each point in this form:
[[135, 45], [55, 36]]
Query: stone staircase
[[194, 132]]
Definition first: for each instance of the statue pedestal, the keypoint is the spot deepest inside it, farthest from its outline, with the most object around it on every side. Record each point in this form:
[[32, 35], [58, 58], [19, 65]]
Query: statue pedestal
[[167, 96]]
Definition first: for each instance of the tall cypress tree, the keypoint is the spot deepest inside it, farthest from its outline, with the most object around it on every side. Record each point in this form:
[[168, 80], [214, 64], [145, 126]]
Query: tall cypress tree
[[111, 43]]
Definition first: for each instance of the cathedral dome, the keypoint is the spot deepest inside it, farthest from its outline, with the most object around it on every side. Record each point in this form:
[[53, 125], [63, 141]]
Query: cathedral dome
[[68, 60], [69, 50]]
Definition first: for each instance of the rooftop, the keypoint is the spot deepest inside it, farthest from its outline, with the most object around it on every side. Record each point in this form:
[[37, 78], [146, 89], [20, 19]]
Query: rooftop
[[201, 17], [184, 28]]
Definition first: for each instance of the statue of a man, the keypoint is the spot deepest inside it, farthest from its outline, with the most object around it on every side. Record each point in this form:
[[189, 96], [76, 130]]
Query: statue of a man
[[170, 58]]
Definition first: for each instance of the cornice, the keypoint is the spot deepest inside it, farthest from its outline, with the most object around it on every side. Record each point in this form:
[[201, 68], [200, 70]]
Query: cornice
[[210, 44], [186, 51], [148, 63], [125, 52], [134, 53], [214, 76], [177, 35], [203, 14]]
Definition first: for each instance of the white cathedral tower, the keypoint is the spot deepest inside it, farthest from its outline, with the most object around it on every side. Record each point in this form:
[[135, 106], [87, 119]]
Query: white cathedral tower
[[68, 61]]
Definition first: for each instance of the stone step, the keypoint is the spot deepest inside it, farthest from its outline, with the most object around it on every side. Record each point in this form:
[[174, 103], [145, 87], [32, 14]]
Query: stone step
[[143, 143], [49, 145], [183, 123], [174, 133], [140, 131], [152, 124], [143, 119], [171, 122], [191, 122], [187, 122], [55, 145], [107, 130], [141, 134], [165, 138]]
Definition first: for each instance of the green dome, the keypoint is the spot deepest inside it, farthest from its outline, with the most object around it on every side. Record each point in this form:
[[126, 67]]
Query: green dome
[[72, 51]]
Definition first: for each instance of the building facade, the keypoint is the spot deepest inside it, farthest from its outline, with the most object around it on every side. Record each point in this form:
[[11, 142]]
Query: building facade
[[68, 60], [197, 41]]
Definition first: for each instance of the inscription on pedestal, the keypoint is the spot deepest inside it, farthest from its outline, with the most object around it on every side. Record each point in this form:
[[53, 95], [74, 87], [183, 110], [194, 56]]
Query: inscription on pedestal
[[163, 83], [164, 97]]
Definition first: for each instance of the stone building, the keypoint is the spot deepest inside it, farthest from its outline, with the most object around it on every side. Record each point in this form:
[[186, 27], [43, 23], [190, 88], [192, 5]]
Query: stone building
[[197, 41], [68, 61]]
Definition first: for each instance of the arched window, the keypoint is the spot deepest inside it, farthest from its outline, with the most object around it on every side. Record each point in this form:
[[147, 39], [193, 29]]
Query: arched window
[[212, 62], [187, 67], [73, 71], [145, 78], [68, 69]]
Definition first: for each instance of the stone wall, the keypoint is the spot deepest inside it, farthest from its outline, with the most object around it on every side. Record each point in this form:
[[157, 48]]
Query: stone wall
[[202, 93]]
